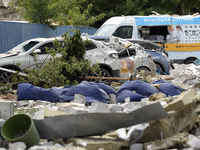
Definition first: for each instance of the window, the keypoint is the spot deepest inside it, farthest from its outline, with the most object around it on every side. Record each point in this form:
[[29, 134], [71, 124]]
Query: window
[[47, 45], [124, 32], [29, 45], [105, 30], [90, 46]]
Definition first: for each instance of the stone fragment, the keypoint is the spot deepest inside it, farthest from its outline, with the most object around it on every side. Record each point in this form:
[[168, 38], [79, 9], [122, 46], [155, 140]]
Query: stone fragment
[[99, 108], [51, 113], [41, 102], [113, 99], [136, 146], [193, 142], [78, 98], [76, 110], [116, 108], [69, 105], [17, 145], [133, 105], [9, 96], [99, 143], [135, 132], [156, 96], [121, 133]]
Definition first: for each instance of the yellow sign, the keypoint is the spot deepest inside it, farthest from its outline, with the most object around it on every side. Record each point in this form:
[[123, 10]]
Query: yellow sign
[[182, 47]]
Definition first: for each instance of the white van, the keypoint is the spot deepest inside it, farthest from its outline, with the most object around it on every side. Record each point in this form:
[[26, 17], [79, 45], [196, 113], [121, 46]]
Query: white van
[[179, 35]]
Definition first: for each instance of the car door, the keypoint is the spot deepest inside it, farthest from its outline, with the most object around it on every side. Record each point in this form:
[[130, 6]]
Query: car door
[[91, 52], [38, 56]]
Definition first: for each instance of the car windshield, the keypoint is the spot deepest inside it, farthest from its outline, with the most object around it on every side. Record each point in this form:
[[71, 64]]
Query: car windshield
[[105, 30], [25, 46]]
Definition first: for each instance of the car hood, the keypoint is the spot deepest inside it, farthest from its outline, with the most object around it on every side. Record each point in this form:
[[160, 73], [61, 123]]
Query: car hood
[[8, 55]]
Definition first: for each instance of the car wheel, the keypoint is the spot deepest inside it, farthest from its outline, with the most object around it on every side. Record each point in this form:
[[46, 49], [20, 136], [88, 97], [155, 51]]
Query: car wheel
[[103, 73], [159, 69], [142, 68], [5, 77]]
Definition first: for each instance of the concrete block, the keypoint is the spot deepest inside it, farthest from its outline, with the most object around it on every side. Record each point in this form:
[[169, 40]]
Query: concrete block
[[136, 146], [99, 108], [40, 102], [7, 109], [78, 98], [113, 99], [22, 103], [181, 100], [116, 108]]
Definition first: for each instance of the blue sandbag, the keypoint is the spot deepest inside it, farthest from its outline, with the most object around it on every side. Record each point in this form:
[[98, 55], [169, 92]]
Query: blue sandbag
[[140, 87], [126, 93], [90, 90], [168, 88], [26, 91]]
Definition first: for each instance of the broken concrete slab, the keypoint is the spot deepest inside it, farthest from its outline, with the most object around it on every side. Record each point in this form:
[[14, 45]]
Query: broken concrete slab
[[184, 119], [181, 100], [99, 143], [96, 123], [174, 141]]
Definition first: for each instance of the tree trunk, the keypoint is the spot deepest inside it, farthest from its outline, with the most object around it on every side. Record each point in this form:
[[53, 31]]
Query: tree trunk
[[181, 9]]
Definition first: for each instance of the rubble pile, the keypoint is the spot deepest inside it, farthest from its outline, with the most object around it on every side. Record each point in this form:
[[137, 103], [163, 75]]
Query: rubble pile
[[160, 114]]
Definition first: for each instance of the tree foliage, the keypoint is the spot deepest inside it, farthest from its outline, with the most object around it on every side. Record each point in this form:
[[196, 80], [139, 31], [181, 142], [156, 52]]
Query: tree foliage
[[61, 12]]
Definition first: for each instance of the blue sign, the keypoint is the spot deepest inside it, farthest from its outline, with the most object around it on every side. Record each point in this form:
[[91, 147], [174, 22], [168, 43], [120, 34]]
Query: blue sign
[[166, 20]]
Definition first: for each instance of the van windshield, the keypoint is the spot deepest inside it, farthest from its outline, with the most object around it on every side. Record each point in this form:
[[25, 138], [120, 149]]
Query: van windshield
[[105, 30]]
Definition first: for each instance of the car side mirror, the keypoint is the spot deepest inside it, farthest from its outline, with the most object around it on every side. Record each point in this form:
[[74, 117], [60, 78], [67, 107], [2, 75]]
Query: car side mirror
[[36, 51]]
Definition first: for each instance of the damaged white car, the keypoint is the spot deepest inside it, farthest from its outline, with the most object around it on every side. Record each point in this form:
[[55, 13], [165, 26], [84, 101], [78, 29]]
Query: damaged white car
[[133, 57], [24, 54]]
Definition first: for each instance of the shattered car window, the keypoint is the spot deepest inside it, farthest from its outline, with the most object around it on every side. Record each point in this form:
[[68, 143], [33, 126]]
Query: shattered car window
[[47, 45], [24, 47], [90, 46]]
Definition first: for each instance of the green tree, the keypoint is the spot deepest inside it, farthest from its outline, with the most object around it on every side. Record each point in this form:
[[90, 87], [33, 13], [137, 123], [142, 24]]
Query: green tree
[[62, 12], [115, 8], [180, 7], [66, 68]]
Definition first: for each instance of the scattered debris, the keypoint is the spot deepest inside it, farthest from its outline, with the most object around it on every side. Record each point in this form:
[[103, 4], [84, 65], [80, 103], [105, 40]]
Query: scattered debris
[[166, 116]]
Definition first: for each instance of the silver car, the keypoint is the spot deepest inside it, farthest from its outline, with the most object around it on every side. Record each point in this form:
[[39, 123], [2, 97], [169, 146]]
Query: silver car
[[24, 54]]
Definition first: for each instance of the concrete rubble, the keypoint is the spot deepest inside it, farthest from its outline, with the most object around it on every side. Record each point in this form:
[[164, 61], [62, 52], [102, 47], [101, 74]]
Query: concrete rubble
[[179, 130]]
